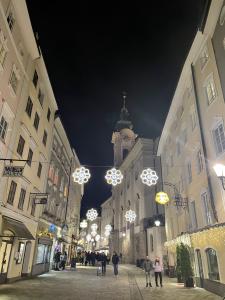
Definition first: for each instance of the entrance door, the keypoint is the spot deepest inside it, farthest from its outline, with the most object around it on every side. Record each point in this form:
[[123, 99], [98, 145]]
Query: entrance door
[[25, 269], [200, 268], [5, 252]]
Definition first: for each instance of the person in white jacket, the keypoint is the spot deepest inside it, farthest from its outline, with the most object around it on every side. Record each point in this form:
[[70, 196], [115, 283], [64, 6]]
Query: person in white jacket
[[158, 268]]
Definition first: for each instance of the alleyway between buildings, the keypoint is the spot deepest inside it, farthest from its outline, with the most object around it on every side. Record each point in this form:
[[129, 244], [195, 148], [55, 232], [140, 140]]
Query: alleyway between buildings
[[84, 284]]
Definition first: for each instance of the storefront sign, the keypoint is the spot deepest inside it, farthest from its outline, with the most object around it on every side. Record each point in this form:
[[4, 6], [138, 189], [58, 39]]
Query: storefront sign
[[40, 201], [13, 171]]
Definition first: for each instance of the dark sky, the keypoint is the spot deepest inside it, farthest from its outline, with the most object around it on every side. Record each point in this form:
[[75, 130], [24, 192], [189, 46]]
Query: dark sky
[[95, 51]]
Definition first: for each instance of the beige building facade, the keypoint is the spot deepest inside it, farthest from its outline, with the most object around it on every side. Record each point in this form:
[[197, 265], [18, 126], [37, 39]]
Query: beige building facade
[[190, 145]]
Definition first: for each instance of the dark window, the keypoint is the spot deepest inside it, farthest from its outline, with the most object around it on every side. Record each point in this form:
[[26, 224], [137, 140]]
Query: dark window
[[3, 128], [48, 114], [33, 208], [125, 153], [39, 170], [12, 192], [29, 157], [10, 20], [20, 146], [29, 107], [212, 264], [22, 198], [36, 121], [45, 138], [40, 97], [35, 78]]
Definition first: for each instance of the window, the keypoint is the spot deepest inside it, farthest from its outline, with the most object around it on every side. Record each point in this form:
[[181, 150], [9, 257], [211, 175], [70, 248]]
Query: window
[[12, 191], [210, 90], [40, 97], [44, 140], [33, 208], [29, 107], [204, 57], [29, 157], [20, 146], [56, 177], [3, 48], [11, 20], [14, 80], [21, 198], [3, 128], [207, 214], [189, 172], [219, 138], [35, 78], [39, 170], [213, 270], [21, 250], [36, 121], [193, 215], [199, 161], [49, 114]]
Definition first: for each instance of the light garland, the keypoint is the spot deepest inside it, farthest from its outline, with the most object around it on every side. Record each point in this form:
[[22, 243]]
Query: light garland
[[149, 177], [93, 233], [114, 176], [81, 175], [130, 216], [162, 198], [94, 227], [88, 237], [107, 233], [92, 214], [83, 224], [97, 238], [108, 227]]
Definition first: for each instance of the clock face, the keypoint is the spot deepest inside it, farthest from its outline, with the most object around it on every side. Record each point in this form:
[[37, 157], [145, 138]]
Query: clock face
[[222, 16]]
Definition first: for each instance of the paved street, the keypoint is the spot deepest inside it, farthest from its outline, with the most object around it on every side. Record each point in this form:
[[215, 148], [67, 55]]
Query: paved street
[[84, 284]]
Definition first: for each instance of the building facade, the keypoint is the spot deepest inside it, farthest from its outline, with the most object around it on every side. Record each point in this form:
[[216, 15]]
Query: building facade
[[132, 155], [190, 145]]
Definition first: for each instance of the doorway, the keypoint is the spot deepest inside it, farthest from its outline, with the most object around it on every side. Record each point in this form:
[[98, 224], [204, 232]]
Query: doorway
[[25, 269], [5, 252], [200, 268]]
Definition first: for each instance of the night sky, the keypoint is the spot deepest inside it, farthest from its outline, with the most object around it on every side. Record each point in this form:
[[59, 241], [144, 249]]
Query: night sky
[[94, 52]]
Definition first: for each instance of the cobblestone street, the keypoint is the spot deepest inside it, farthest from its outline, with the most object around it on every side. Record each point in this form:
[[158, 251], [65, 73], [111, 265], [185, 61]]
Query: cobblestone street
[[84, 284]]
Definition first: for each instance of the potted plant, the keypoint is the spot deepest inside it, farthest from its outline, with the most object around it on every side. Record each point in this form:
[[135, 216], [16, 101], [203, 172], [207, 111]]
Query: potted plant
[[178, 265], [185, 265]]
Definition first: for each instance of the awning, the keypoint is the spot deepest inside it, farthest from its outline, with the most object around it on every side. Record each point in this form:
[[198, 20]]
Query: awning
[[18, 228]]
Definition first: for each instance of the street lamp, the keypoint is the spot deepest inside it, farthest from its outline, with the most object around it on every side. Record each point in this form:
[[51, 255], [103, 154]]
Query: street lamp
[[123, 234], [157, 223], [220, 173]]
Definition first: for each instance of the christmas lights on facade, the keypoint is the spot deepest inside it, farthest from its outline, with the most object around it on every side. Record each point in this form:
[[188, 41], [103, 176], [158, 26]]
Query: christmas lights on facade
[[130, 216], [88, 237], [94, 227], [92, 214], [83, 224], [81, 175], [114, 176], [108, 227], [149, 177]]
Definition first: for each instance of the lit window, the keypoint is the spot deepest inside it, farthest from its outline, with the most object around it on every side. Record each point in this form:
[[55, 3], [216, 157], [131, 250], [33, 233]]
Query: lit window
[[210, 90], [219, 139], [3, 128], [213, 269], [3, 48], [204, 57]]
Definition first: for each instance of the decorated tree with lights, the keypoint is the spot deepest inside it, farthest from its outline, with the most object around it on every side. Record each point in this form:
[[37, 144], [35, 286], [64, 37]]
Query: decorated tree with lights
[[184, 267]]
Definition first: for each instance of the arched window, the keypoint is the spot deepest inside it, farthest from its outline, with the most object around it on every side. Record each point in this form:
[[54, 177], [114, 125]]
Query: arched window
[[213, 269]]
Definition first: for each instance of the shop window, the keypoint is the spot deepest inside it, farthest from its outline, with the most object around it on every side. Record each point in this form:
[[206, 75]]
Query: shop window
[[20, 253], [213, 270]]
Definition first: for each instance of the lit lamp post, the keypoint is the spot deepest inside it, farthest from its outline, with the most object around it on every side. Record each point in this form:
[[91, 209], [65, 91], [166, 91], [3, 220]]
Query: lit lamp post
[[220, 173]]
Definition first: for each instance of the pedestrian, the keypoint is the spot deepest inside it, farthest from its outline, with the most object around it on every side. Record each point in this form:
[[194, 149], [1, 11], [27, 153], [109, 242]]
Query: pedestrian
[[158, 268], [148, 267], [57, 260], [103, 260], [63, 261], [115, 261]]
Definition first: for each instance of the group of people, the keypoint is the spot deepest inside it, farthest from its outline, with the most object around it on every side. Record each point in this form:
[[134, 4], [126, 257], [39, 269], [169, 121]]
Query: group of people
[[91, 258], [60, 260], [155, 267]]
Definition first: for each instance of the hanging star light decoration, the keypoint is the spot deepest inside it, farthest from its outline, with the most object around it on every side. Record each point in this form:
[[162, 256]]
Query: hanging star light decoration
[[81, 175], [108, 227], [114, 176], [94, 227], [92, 214], [130, 216], [149, 177], [83, 224]]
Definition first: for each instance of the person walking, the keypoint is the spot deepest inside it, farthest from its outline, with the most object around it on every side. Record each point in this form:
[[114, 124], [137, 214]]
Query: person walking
[[148, 267], [57, 260], [115, 261], [64, 259], [158, 268], [103, 260]]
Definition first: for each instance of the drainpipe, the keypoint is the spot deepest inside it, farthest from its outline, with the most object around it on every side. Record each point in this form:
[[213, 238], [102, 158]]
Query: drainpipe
[[212, 201]]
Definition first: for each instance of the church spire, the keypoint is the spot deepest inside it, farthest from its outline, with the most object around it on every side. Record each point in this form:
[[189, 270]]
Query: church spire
[[124, 121]]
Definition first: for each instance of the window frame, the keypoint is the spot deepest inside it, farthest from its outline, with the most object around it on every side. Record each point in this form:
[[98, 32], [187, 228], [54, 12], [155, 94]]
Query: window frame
[[12, 192], [20, 146], [3, 128]]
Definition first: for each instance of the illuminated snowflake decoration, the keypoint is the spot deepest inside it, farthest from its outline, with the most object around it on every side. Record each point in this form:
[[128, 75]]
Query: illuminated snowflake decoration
[[92, 214], [88, 237], [97, 238], [149, 177], [94, 227], [114, 176], [83, 224], [108, 228], [81, 175], [130, 216]]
